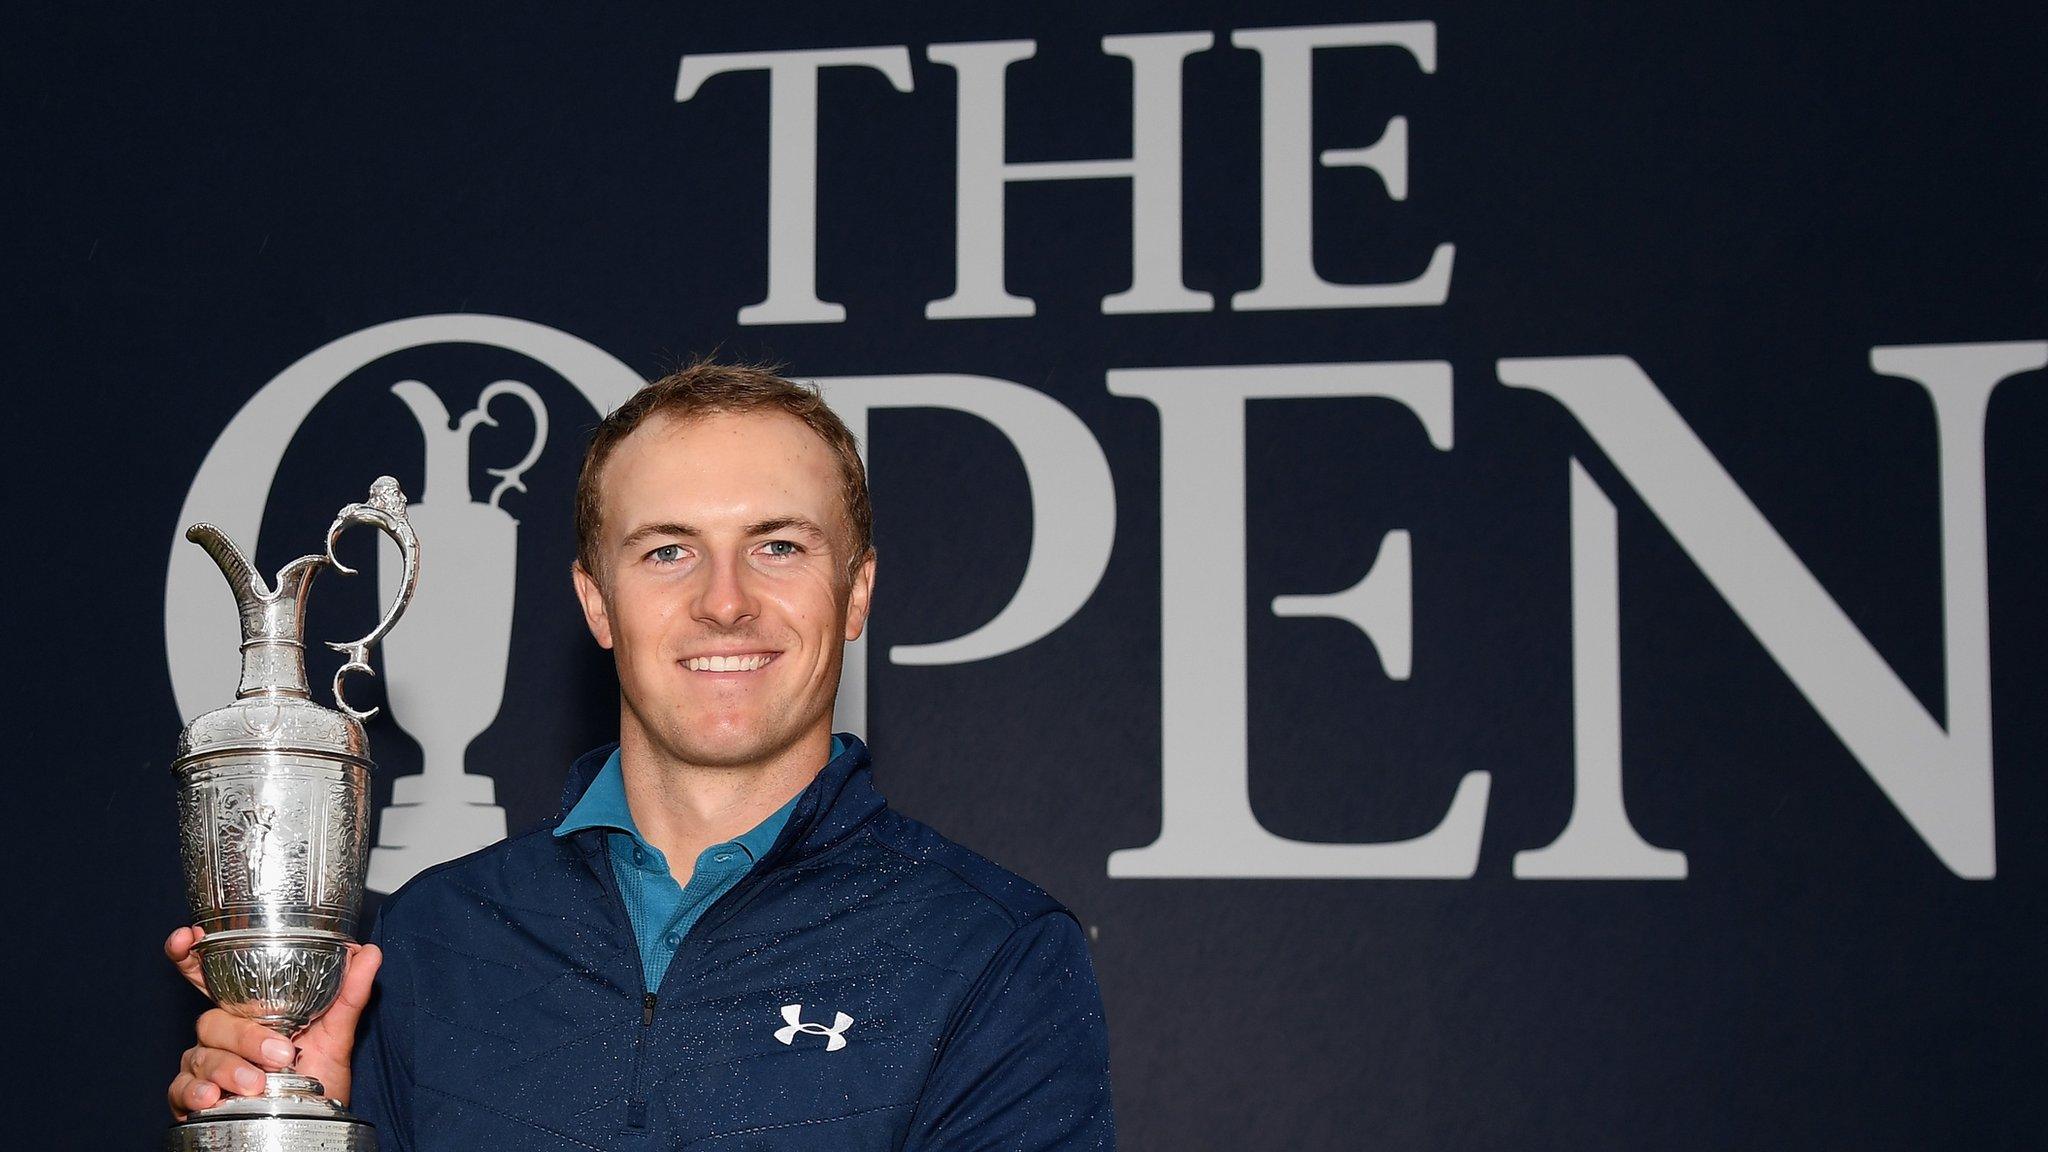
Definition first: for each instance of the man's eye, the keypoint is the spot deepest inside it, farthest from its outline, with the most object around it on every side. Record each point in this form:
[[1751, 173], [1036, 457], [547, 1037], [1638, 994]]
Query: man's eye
[[666, 554], [782, 548]]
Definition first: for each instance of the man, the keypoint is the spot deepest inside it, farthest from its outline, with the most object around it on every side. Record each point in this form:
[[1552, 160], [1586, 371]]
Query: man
[[726, 937]]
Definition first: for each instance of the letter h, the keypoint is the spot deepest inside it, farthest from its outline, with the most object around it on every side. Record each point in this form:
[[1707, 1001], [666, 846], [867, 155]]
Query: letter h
[[1153, 169]]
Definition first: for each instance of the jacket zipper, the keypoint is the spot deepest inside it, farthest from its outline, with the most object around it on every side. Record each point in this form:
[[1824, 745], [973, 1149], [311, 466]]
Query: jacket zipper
[[636, 1108], [732, 902], [728, 905]]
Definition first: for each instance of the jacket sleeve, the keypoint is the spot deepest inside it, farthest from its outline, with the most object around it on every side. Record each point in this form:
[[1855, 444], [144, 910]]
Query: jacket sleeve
[[1026, 1063], [381, 1070]]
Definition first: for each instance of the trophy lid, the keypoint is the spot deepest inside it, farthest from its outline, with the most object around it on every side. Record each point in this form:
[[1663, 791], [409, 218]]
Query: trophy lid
[[273, 710]]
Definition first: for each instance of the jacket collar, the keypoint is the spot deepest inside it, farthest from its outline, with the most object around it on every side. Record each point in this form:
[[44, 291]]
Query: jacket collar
[[838, 800]]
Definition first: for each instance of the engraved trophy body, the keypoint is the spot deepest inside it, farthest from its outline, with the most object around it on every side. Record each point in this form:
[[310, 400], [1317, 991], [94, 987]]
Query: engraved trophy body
[[445, 675], [273, 795]]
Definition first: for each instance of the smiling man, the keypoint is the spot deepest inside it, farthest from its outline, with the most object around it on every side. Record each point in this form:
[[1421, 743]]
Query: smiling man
[[726, 937]]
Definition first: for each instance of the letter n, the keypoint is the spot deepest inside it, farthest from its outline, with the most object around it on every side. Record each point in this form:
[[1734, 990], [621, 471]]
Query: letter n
[[1938, 776]]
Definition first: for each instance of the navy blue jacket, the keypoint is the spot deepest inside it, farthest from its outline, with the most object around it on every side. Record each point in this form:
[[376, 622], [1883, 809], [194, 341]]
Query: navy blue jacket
[[868, 985]]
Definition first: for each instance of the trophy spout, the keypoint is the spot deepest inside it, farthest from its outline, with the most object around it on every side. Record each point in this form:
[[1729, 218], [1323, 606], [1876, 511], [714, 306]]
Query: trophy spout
[[241, 575], [272, 619]]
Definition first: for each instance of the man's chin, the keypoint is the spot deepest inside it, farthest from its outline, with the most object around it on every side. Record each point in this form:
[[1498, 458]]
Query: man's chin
[[739, 748]]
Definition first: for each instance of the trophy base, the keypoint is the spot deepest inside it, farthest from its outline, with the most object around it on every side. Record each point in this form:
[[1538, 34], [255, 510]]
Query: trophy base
[[290, 1116]]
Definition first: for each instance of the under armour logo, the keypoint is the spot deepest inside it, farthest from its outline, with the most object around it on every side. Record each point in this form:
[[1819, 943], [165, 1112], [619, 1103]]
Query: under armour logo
[[835, 1036]]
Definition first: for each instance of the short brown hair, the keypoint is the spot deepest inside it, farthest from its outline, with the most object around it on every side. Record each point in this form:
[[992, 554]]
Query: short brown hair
[[705, 388]]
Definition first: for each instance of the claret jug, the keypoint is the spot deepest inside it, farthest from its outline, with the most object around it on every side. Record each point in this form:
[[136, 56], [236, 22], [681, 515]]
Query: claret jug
[[273, 796]]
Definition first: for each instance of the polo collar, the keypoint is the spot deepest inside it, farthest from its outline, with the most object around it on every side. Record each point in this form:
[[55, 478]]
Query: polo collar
[[603, 804], [594, 796]]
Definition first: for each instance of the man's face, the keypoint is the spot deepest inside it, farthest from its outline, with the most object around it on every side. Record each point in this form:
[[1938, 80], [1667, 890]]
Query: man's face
[[725, 597]]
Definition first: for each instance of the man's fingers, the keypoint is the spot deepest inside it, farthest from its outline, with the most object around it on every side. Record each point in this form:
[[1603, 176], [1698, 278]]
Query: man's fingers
[[189, 1094], [228, 1071], [246, 1039], [179, 949], [231, 1056]]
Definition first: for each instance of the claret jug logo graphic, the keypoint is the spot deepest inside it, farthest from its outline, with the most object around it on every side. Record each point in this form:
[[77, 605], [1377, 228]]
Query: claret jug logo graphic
[[446, 676], [445, 669]]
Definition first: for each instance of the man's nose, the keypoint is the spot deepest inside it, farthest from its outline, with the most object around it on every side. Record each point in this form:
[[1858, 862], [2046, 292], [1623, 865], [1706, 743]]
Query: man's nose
[[725, 598]]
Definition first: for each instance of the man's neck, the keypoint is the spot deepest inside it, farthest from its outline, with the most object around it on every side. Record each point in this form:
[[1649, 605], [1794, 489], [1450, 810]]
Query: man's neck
[[683, 808]]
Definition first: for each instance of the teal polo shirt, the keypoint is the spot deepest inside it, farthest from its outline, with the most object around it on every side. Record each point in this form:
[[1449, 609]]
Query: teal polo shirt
[[661, 909]]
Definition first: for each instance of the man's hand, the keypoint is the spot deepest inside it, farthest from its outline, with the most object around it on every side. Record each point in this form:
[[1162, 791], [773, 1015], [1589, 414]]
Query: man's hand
[[233, 1053]]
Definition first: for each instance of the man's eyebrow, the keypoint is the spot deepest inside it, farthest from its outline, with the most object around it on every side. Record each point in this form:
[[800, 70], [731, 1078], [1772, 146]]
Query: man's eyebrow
[[785, 524], [648, 531], [758, 528]]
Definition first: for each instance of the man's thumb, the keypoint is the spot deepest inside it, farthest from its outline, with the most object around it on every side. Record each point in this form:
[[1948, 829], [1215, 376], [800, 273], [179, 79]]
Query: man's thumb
[[356, 983]]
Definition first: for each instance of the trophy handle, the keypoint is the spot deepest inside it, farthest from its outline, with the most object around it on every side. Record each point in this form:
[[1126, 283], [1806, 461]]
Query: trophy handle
[[509, 477], [384, 511]]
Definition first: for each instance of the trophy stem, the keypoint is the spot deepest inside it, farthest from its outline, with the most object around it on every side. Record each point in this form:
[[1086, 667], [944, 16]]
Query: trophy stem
[[289, 1084]]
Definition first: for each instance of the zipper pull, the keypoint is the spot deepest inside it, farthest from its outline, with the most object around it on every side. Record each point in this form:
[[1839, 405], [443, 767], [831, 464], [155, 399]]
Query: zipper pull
[[646, 1009]]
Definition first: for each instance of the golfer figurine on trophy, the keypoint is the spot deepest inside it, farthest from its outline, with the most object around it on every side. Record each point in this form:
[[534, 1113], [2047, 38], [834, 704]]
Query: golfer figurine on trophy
[[273, 795]]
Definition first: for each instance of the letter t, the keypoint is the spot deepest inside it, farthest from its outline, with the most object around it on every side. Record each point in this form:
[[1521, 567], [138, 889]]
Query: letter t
[[793, 165]]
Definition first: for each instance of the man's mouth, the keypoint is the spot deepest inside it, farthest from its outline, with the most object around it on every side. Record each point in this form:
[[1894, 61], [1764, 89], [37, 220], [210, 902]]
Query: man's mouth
[[738, 662]]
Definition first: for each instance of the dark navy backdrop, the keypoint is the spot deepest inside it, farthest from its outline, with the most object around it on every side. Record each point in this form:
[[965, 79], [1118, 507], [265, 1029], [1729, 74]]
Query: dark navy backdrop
[[1746, 200]]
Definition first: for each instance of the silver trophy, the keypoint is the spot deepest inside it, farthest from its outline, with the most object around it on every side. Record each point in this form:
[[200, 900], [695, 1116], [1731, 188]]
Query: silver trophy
[[445, 676], [273, 824]]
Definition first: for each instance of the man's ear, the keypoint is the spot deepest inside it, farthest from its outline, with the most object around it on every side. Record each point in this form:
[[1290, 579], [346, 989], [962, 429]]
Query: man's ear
[[859, 596], [595, 615]]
